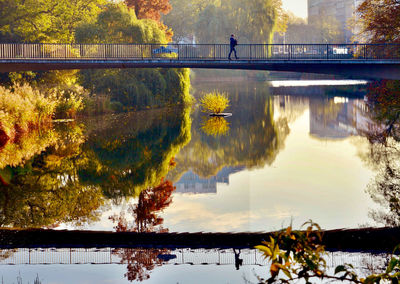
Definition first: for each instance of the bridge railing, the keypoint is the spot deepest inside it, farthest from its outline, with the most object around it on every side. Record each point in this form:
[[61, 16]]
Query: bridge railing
[[200, 51]]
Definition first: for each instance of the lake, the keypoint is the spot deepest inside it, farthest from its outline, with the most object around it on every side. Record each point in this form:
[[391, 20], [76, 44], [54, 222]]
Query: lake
[[292, 151]]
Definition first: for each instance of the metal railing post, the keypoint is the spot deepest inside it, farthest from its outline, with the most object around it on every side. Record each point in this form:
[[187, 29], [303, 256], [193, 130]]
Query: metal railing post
[[327, 51], [215, 51], [365, 51]]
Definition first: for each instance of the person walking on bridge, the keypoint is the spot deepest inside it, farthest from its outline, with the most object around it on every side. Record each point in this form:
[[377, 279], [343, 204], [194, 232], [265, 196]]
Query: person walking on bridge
[[233, 43]]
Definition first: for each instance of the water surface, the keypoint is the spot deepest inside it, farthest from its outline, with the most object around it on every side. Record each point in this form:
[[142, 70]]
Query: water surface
[[286, 155]]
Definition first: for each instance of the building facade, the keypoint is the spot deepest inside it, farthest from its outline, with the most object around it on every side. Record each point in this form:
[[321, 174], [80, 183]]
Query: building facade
[[341, 10]]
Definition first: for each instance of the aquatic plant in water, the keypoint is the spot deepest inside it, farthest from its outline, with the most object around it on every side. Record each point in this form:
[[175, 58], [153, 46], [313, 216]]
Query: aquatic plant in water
[[214, 102]]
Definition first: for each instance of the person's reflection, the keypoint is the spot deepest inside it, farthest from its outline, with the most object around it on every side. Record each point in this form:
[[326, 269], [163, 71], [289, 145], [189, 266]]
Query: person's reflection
[[238, 260]]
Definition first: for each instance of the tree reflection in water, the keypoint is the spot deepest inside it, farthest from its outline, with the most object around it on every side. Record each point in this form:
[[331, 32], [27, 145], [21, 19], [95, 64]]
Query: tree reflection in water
[[140, 262], [44, 190], [384, 151], [152, 200], [252, 137], [71, 177]]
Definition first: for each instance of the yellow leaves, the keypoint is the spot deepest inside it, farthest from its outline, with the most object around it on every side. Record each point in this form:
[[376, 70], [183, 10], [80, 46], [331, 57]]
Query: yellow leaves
[[270, 249], [215, 126], [214, 102], [265, 249]]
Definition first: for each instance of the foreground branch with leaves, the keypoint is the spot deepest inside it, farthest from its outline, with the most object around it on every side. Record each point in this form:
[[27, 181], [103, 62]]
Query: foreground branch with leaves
[[296, 255]]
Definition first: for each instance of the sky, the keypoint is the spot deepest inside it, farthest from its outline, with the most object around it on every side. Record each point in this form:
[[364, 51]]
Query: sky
[[298, 7]]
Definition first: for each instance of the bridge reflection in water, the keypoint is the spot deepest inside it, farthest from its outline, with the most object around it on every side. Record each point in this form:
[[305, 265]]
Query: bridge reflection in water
[[37, 256]]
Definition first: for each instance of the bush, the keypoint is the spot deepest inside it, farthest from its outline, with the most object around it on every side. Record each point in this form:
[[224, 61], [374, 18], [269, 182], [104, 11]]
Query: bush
[[69, 100], [300, 255], [22, 107], [214, 102]]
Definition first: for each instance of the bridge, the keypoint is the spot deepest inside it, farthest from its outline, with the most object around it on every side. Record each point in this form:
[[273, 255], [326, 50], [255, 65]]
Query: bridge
[[181, 256], [354, 60]]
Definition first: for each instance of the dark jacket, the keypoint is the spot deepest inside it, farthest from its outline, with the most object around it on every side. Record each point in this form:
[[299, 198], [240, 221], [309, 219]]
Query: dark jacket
[[233, 42]]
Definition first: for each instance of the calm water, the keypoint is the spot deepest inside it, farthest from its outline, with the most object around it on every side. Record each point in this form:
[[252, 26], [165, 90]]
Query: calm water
[[125, 265], [280, 158], [289, 153]]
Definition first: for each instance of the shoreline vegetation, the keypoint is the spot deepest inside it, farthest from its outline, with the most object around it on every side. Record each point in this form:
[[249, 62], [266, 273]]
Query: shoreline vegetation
[[24, 109]]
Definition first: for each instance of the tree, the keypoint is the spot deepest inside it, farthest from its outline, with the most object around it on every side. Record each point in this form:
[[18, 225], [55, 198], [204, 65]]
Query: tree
[[251, 20], [119, 24], [145, 9], [325, 29], [184, 16], [44, 20], [212, 25], [258, 20], [134, 88], [379, 20]]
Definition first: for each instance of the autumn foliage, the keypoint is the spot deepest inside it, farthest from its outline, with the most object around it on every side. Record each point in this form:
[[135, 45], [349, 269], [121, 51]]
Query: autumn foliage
[[150, 202], [380, 20], [140, 262], [146, 9], [384, 101]]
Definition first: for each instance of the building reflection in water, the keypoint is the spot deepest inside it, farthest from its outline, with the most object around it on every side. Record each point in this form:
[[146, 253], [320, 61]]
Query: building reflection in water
[[330, 118], [193, 183]]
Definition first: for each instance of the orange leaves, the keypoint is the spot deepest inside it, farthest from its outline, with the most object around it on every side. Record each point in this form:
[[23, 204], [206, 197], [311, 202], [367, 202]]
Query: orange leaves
[[380, 20], [146, 9]]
